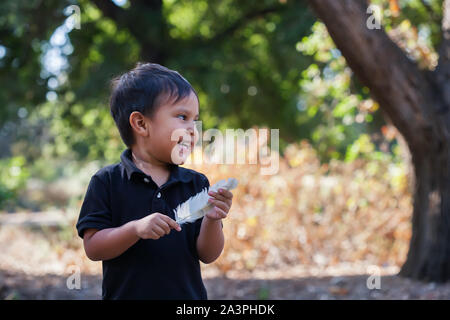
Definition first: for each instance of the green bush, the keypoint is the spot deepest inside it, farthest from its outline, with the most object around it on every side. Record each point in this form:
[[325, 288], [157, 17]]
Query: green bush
[[13, 177]]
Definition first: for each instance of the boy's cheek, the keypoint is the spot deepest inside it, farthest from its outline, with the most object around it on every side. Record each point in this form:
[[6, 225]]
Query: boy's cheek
[[196, 136]]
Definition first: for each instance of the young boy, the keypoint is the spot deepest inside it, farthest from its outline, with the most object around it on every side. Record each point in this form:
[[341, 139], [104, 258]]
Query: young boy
[[127, 218]]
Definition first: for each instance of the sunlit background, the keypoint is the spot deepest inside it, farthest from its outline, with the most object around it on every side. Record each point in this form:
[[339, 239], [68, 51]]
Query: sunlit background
[[340, 202]]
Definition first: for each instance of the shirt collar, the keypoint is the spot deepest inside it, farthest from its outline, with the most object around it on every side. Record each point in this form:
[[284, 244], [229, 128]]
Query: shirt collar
[[176, 173]]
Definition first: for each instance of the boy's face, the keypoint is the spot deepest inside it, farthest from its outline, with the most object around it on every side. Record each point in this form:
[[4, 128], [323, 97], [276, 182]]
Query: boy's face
[[172, 130]]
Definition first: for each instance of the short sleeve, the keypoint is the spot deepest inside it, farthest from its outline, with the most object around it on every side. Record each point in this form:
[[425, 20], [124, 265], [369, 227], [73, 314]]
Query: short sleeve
[[96, 210]]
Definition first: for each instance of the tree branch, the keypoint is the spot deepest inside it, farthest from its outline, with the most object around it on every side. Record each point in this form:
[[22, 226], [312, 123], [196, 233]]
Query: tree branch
[[150, 4], [112, 11], [434, 16], [245, 19], [404, 92], [154, 38], [144, 21]]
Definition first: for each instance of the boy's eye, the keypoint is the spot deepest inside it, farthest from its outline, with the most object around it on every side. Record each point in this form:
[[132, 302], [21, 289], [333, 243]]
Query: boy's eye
[[182, 116]]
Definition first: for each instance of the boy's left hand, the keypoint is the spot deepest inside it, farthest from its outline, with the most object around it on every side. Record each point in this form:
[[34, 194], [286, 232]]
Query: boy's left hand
[[222, 201]]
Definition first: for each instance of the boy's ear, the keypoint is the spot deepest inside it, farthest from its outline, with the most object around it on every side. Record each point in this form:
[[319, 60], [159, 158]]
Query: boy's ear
[[139, 123]]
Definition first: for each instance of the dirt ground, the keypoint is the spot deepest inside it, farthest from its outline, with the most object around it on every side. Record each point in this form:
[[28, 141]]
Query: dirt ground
[[31, 267], [14, 285]]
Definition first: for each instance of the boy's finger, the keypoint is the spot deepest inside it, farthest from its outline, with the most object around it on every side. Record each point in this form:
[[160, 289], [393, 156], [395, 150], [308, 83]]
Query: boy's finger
[[222, 198], [220, 212], [164, 225], [226, 193], [158, 230], [172, 223], [153, 235], [222, 205], [218, 196]]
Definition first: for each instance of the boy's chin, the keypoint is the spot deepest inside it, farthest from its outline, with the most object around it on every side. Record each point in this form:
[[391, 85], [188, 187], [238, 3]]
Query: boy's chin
[[179, 157], [179, 162]]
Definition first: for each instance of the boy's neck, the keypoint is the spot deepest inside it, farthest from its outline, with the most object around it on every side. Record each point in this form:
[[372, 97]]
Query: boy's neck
[[148, 164]]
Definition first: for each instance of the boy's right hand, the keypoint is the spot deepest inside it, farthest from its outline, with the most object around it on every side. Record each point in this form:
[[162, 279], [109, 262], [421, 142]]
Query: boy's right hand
[[154, 226]]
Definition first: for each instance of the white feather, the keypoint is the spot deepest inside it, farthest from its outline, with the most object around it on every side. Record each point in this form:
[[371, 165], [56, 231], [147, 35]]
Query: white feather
[[197, 206]]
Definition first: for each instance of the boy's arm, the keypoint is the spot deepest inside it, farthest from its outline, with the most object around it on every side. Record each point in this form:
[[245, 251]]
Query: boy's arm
[[210, 241], [110, 243]]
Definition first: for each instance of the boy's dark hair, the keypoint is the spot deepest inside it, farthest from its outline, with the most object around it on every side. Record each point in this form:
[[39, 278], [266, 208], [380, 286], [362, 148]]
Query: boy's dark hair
[[141, 89]]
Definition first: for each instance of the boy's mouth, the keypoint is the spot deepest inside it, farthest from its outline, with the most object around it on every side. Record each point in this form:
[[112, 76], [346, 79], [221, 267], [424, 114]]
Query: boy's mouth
[[186, 146]]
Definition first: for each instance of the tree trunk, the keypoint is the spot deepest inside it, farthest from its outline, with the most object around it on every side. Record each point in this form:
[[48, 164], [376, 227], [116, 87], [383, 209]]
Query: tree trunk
[[417, 103]]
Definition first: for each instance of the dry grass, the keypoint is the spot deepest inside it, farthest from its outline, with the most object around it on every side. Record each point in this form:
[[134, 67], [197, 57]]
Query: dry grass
[[308, 215], [315, 215]]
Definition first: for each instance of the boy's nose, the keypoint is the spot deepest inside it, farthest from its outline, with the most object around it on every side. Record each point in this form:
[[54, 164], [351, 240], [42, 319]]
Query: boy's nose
[[192, 129], [194, 134]]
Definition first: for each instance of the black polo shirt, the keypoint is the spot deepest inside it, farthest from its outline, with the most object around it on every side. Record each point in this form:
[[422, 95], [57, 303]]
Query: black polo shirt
[[167, 268]]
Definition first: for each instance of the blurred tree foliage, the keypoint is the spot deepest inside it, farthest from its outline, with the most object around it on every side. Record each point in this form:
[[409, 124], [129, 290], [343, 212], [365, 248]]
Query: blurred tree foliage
[[266, 63]]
